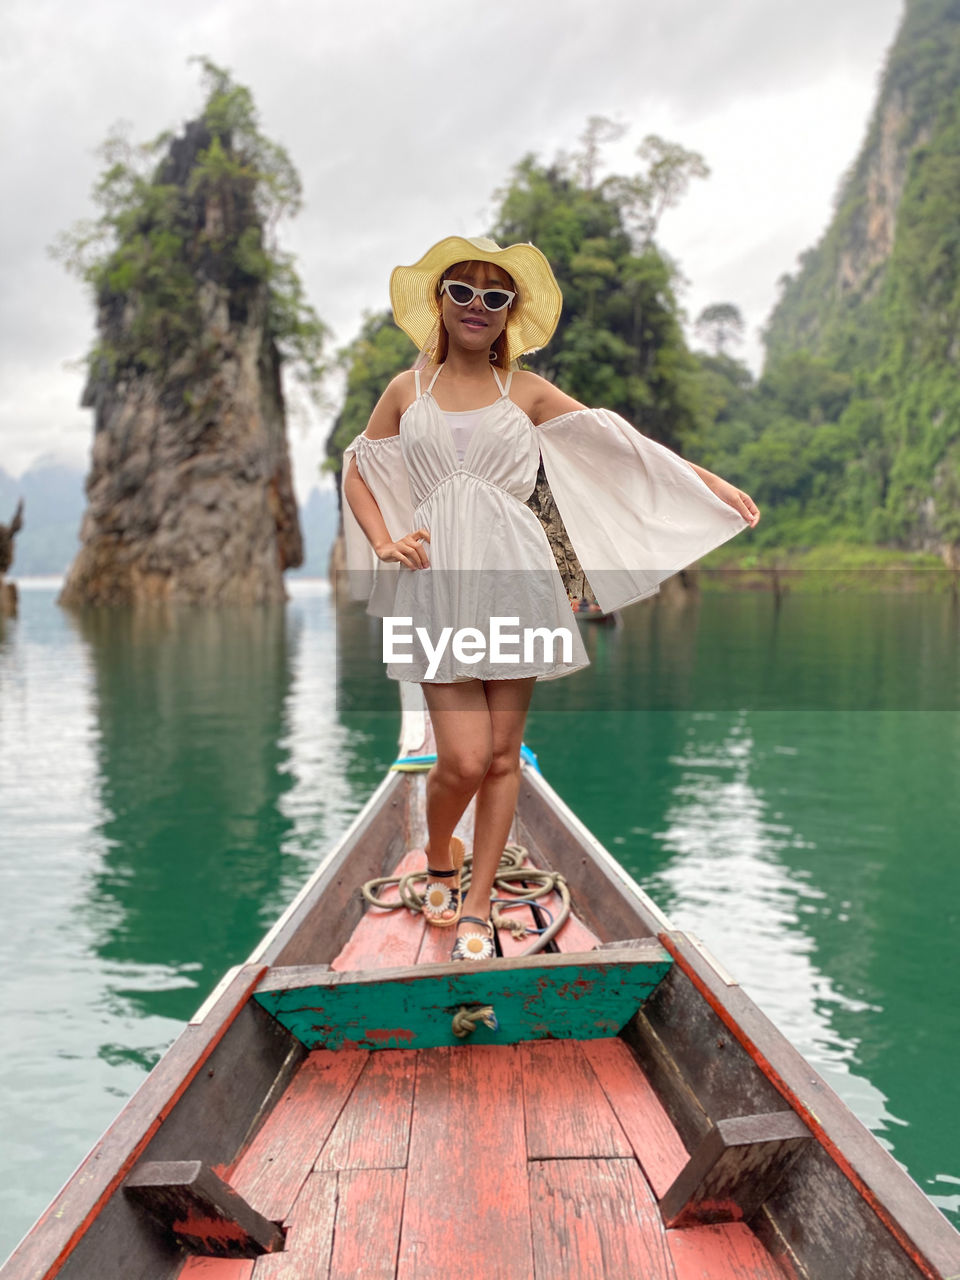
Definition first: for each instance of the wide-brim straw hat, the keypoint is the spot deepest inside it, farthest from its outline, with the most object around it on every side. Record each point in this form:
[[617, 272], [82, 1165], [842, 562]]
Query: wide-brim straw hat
[[532, 318]]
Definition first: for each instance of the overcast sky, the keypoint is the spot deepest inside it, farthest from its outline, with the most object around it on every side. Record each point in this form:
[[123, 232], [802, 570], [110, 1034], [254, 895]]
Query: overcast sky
[[403, 119]]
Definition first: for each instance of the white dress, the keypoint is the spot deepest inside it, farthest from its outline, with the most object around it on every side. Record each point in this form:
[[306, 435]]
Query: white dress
[[634, 511]]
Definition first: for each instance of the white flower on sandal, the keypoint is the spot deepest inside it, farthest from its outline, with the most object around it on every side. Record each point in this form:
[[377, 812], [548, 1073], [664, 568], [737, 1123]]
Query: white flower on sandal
[[474, 946], [437, 899]]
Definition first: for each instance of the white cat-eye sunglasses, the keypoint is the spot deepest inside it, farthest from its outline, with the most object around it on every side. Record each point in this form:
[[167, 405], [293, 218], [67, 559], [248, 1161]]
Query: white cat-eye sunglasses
[[463, 294]]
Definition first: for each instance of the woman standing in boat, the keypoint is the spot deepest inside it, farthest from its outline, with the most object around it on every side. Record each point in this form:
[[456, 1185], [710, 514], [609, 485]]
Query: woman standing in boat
[[474, 607]]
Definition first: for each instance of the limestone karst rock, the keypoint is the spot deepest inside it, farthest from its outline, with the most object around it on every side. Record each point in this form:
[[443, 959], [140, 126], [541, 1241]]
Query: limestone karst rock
[[190, 495]]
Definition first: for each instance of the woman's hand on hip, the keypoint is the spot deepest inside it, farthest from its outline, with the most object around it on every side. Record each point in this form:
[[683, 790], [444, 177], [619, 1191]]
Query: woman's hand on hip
[[407, 550]]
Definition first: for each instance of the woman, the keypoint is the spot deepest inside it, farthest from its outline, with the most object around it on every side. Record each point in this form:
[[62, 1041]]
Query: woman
[[475, 610]]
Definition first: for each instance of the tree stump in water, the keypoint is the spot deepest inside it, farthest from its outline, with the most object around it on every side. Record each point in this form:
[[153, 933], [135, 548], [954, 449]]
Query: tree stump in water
[[8, 590]]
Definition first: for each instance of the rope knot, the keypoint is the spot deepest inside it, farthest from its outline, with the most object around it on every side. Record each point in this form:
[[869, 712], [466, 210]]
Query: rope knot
[[469, 1016]]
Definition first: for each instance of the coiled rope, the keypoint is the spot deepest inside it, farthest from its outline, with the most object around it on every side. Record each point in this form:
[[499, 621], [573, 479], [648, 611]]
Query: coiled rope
[[520, 884]]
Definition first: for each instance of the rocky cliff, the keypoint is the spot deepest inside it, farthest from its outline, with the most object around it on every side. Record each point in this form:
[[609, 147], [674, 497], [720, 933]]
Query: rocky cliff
[[189, 493], [866, 335], [849, 264]]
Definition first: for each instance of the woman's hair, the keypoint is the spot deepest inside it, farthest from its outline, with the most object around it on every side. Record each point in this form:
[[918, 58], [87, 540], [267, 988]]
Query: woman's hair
[[499, 348]]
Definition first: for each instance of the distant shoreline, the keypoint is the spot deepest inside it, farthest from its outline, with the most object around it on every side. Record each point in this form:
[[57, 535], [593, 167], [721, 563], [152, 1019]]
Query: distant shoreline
[[798, 572], [826, 569]]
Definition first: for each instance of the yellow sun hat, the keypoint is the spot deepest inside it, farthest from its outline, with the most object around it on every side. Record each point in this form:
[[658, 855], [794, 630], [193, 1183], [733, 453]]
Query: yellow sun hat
[[533, 316]]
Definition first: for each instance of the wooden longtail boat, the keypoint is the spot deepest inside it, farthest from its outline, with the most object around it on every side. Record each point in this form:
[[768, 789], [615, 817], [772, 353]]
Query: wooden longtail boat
[[633, 1114]]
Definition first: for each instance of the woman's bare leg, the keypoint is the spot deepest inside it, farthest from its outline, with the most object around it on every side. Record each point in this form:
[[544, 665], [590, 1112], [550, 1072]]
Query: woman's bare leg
[[462, 728], [507, 702]]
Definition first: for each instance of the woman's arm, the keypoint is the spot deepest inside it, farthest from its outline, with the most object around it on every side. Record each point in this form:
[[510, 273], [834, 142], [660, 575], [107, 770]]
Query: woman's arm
[[384, 423], [541, 401], [406, 550]]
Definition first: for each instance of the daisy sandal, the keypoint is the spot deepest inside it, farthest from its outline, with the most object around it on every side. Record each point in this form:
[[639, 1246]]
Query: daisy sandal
[[439, 896], [474, 945]]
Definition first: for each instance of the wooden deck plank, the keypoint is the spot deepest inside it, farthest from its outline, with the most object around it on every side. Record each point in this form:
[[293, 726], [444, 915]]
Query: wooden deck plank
[[436, 945], [373, 1131], [367, 1234], [595, 1219], [567, 1112], [649, 1129], [217, 1269], [274, 1167], [727, 1252], [310, 1226], [385, 939], [467, 1199], [574, 936]]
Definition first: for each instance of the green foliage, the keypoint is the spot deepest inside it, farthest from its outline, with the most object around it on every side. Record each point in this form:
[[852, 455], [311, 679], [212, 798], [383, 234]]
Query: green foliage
[[181, 215], [860, 380], [620, 342], [377, 355]]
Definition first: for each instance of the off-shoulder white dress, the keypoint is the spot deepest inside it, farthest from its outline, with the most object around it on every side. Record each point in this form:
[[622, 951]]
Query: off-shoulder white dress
[[634, 511]]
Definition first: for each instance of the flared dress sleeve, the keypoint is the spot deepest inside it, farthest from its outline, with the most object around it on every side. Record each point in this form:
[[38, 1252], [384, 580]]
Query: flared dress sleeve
[[382, 469], [635, 512]]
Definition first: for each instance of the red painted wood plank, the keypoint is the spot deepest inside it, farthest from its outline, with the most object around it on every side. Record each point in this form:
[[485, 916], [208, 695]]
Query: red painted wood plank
[[373, 1131], [727, 1252], [467, 1206], [385, 939], [567, 1112], [436, 945], [274, 1167], [309, 1234], [594, 1219], [369, 1214], [575, 936], [655, 1141], [54, 1236], [217, 1269]]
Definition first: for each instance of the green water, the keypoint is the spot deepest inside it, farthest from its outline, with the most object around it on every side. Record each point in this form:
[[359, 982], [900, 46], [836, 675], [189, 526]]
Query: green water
[[784, 782]]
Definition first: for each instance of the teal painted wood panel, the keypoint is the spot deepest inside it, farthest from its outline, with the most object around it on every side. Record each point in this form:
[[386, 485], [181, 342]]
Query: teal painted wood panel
[[535, 998]]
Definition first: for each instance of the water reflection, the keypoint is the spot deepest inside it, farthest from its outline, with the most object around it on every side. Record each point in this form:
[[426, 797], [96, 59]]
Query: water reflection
[[335, 758], [729, 879], [189, 705], [702, 652]]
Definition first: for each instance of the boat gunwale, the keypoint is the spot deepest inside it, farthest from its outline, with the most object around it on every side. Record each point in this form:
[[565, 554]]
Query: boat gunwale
[[883, 1184], [50, 1241]]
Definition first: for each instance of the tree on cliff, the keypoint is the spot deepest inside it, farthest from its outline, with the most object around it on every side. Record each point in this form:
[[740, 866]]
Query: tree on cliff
[[720, 324], [190, 492]]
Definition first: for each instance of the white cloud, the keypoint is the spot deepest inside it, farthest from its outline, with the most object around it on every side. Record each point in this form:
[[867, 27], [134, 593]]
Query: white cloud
[[403, 119]]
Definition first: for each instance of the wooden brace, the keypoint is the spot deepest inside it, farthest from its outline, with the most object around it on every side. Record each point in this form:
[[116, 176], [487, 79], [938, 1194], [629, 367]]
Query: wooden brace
[[734, 1170], [204, 1213]]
